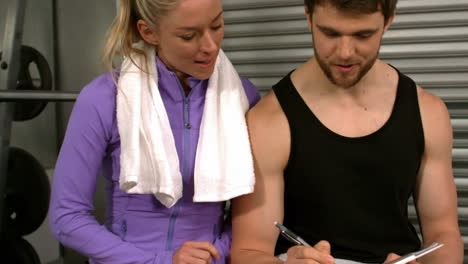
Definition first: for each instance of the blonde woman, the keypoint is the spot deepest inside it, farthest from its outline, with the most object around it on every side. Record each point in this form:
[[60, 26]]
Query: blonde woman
[[148, 128]]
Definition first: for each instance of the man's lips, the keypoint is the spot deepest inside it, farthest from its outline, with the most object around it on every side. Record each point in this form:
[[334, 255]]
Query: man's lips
[[345, 67]]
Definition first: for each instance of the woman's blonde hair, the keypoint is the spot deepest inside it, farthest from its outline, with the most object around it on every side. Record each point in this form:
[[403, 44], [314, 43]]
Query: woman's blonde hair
[[123, 32]]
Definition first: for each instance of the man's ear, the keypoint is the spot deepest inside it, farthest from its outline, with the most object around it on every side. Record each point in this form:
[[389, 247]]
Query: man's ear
[[146, 33], [308, 17], [389, 22]]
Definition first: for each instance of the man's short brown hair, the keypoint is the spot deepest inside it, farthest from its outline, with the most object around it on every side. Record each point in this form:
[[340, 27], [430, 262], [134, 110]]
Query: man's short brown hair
[[387, 7]]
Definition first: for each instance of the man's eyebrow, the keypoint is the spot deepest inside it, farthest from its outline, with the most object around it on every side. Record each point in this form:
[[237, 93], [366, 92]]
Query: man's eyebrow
[[194, 28], [363, 31]]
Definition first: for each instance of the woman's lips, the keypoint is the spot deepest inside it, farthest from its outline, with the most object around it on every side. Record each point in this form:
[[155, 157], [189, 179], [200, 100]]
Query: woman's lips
[[205, 63]]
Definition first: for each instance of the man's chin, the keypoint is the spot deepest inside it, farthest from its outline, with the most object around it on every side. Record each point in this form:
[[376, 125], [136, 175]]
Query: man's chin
[[344, 82]]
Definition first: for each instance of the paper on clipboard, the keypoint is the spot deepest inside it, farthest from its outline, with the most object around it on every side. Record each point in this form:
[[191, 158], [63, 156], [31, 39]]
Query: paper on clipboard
[[401, 260]]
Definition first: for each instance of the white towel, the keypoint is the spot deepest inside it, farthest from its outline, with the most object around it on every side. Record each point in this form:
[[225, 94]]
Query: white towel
[[149, 161]]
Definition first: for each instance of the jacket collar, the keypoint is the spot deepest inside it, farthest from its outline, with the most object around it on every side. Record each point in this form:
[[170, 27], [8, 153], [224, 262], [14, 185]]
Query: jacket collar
[[170, 85]]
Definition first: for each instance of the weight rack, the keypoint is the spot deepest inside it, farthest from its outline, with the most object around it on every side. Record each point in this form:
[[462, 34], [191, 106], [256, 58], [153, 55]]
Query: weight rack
[[9, 72], [9, 69]]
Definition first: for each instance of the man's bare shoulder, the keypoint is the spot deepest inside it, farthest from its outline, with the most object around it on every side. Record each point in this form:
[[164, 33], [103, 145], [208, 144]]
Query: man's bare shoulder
[[431, 105], [435, 117], [267, 110], [269, 134]]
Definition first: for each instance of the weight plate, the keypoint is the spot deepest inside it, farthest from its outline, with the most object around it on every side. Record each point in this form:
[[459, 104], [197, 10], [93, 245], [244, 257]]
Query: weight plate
[[19, 251], [27, 193], [34, 74]]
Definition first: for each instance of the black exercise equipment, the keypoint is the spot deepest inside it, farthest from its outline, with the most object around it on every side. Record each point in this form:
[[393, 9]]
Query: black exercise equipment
[[27, 193], [24, 185], [19, 251], [30, 57]]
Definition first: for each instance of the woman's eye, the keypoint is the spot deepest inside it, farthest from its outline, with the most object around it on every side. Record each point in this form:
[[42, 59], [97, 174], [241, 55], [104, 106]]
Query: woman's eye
[[187, 37], [216, 27]]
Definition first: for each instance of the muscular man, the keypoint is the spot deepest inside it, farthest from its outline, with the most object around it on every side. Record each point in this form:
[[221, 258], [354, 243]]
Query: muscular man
[[340, 145]]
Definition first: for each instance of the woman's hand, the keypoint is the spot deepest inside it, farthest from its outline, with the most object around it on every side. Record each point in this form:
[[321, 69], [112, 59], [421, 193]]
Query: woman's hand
[[195, 252]]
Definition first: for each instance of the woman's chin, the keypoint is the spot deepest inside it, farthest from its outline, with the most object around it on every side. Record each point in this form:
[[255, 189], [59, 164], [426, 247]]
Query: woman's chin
[[202, 75]]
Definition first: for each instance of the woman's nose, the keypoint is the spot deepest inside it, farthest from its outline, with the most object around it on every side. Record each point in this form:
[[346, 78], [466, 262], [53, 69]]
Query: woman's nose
[[208, 43]]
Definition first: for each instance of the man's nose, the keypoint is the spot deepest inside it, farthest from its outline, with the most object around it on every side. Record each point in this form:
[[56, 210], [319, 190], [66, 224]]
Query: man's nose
[[345, 49]]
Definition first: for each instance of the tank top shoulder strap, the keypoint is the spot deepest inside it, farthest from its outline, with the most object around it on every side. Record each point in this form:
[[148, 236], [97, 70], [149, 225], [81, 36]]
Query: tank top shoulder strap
[[407, 104], [290, 100]]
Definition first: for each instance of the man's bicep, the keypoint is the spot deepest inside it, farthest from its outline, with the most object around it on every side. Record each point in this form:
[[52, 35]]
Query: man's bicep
[[435, 195], [254, 214], [435, 190]]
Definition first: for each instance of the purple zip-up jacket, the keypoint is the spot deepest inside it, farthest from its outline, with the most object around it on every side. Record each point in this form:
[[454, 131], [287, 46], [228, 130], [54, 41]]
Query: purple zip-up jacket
[[138, 229]]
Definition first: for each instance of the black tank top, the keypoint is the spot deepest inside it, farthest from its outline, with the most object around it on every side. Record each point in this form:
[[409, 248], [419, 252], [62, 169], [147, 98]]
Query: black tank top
[[352, 192]]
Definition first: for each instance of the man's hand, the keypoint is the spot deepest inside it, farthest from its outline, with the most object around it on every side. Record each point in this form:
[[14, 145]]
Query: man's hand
[[393, 256], [195, 252], [318, 254]]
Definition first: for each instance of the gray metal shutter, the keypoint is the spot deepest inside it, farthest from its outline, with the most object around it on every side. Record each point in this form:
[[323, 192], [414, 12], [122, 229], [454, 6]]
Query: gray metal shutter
[[428, 40]]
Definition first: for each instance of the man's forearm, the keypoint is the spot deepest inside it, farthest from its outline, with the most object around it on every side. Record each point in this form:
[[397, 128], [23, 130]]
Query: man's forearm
[[253, 257], [450, 253]]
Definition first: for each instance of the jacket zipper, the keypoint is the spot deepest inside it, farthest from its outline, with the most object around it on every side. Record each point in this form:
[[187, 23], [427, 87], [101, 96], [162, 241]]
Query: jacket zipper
[[185, 151]]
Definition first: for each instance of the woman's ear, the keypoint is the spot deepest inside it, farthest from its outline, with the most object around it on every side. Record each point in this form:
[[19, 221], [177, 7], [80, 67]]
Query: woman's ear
[[146, 33]]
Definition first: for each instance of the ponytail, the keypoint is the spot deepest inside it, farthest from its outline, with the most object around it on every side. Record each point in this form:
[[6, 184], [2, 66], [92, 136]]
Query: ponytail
[[123, 31], [121, 34]]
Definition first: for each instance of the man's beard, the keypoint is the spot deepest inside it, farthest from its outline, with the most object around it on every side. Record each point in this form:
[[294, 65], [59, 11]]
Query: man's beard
[[345, 82]]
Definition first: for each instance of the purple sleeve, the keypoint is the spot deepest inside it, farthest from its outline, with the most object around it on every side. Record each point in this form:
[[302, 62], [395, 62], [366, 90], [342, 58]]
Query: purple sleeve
[[223, 243], [78, 166], [251, 91]]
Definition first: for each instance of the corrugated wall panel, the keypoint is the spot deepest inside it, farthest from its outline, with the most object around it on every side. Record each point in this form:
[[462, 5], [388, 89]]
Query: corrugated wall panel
[[428, 40]]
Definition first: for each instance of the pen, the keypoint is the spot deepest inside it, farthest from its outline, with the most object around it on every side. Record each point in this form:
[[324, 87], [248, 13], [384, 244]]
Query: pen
[[414, 255], [289, 235]]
